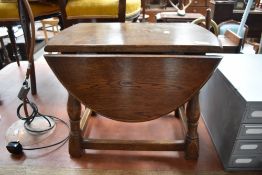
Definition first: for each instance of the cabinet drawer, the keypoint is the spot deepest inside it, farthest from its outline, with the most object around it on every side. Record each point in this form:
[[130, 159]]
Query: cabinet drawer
[[248, 147], [201, 10], [250, 131], [247, 162], [198, 3], [253, 113]]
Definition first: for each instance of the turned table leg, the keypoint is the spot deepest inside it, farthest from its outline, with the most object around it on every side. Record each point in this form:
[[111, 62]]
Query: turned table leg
[[192, 140], [75, 140]]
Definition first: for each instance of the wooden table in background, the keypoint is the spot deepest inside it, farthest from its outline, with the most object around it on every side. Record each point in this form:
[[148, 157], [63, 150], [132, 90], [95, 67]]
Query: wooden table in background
[[173, 17]]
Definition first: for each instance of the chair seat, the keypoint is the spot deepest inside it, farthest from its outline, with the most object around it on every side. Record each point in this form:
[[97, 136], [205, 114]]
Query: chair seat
[[76, 9], [232, 27], [10, 10]]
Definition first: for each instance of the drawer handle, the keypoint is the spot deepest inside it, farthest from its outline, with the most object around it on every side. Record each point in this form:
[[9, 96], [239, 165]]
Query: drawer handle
[[254, 131], [195, 2], [244, 147], [243, 160], [256, 114]]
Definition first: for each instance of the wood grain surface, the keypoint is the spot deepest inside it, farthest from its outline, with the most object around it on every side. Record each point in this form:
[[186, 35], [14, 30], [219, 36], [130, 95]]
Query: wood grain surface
[[134, 38], [132, 88]]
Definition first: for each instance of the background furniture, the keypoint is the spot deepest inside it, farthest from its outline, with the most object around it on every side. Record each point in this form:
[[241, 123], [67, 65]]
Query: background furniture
[[154, 7], [198, 6], [231, 104], [207, 22], [9, 17], [233, 26], [230, 42], [257, 46], [253, 22], [98, 10], [173, 17], [221, 10], [224, 11], [4, 57], [50, 22]]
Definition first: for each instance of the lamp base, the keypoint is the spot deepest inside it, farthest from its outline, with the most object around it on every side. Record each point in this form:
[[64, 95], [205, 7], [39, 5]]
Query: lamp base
[[17, 131]]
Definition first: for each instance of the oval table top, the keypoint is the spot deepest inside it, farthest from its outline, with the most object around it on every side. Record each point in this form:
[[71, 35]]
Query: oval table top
[[134, 38]]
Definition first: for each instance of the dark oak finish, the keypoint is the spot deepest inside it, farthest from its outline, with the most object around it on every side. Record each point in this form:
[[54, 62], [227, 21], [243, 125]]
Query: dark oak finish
[[129, 88], [135, 38], [133, 87], [74, 111], [126, 88]]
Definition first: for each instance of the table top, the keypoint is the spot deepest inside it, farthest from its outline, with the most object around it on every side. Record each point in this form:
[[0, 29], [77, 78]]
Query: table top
[[173, 15], [244, 72], [134, 38]]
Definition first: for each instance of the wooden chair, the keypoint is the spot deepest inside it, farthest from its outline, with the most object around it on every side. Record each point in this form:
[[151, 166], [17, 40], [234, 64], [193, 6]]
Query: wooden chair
[[207, 22], [257, 46], [9, 17], [4, 57], [28, 26], [98, 10], [230, 42], [233, 25], [125, 88], [51, 22]]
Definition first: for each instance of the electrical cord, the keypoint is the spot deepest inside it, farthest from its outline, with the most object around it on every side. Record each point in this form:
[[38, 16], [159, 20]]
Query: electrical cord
[[31, 118], [63, 141], [15, 147]]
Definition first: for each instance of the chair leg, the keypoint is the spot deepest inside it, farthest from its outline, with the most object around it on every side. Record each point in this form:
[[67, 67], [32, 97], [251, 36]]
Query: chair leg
[[75, 140], [33, 79], [44, 29], [13, 43], [5, 54], [192, 140]]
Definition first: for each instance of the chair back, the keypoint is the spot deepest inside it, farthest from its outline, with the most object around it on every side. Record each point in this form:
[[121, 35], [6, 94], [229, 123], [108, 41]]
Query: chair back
[[207, 22], [99, 11], [28, 26], [233, 26]]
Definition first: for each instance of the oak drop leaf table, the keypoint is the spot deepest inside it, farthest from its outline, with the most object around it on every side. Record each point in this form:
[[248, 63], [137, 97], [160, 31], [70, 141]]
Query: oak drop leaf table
[[133, 72]]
